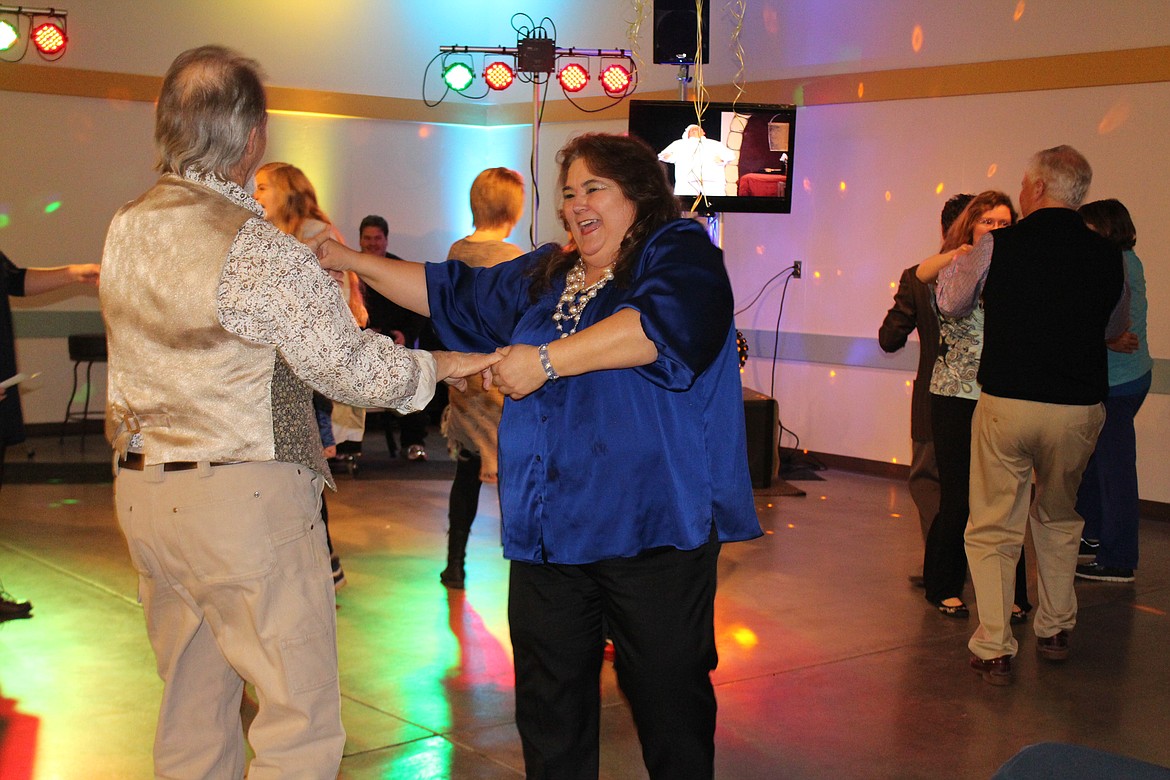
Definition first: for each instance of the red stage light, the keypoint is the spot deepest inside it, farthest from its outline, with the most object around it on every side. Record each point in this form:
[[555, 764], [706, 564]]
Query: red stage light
[[49, 38], [498, 75], [573, 77], [615, 79]]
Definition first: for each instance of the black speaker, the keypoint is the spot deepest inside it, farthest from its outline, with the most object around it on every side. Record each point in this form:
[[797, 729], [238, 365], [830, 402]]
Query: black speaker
[[761, 417], [675, 28]]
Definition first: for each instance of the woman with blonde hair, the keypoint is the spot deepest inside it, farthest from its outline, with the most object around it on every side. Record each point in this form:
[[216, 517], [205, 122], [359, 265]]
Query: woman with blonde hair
[[471, 419], [290, 202]]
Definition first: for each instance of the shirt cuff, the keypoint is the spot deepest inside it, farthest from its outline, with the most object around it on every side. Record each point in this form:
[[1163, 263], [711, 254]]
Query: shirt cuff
[[425, 389]]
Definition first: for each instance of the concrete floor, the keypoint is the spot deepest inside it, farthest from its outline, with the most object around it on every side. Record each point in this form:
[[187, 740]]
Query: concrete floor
[[831, 665]]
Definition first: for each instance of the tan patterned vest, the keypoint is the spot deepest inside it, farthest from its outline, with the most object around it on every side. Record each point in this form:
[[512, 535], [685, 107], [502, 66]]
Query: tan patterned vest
[[192, 389]]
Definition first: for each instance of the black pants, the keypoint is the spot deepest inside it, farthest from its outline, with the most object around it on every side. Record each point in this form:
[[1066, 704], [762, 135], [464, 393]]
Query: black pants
[[944, 564], [464, 500], [412, 429], [659, 608]]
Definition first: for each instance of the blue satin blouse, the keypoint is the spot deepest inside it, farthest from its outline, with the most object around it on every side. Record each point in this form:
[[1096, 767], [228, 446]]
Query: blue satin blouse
[[611, 463]]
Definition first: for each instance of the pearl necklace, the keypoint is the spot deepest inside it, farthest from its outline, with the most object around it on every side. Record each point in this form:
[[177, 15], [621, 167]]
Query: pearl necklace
[[577, 296]]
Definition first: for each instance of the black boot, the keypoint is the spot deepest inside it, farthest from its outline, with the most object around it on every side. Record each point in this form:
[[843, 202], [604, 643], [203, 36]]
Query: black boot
[[453, 575]]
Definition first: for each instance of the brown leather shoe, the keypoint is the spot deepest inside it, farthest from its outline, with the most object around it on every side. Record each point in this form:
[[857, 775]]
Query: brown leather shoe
[[997, 671], [1053, 648]]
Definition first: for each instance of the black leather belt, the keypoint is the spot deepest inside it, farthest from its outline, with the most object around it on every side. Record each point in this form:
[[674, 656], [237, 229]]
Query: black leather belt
[[136, 461]]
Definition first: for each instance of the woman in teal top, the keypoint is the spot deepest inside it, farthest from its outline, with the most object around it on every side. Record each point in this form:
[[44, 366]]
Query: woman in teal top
[[1108, 496]]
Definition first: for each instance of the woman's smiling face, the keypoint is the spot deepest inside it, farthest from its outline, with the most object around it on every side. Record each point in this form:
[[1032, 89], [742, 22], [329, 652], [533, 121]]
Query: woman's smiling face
[[598, 215]]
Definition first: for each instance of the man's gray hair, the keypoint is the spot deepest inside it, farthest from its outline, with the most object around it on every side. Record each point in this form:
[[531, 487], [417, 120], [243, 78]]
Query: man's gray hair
[[1065, 172], [211, 100]]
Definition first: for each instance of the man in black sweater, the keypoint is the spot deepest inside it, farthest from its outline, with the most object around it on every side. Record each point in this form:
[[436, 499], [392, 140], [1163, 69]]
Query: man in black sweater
[[1053, 291], [406, 328]]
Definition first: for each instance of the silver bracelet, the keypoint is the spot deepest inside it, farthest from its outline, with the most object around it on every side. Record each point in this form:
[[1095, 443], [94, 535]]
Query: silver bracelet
[[549, 371]]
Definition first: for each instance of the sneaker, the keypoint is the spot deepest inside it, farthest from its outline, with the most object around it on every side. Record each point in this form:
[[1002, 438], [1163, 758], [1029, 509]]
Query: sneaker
[[11, 609], [416, 452], [1095, 571], [1088, 550], [339, 580], [1053, 648]]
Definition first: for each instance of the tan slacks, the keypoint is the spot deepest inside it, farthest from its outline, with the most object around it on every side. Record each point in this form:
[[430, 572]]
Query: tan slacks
[[1009, 439], [235, 582]]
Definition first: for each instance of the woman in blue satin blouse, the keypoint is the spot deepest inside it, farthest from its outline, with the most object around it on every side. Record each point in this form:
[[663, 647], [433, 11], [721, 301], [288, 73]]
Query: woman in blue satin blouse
[[622, 453]]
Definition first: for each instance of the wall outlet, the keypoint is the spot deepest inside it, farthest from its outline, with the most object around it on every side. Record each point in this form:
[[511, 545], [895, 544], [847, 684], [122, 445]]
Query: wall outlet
[[796, 269]]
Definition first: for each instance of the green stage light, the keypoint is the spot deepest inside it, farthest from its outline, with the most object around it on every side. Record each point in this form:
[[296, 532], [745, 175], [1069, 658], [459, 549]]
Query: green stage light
[[458, 76], [8, 35]]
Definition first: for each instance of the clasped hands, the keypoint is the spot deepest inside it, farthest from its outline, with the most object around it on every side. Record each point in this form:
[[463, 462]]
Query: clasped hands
[[515, 369]]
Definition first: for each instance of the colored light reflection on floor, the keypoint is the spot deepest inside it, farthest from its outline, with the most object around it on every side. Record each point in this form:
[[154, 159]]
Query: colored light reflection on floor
[[18, 741]]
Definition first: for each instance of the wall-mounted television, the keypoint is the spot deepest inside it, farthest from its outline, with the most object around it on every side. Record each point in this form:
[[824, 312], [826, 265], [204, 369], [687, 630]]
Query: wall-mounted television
[[738, 157]]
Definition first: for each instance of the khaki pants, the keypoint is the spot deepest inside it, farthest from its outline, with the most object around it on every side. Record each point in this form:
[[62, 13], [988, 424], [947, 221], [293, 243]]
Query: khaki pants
[[1009, 439], [235, 583]]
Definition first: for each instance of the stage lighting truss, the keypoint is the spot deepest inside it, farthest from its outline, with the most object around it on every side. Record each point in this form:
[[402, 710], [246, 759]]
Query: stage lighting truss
[[503, 66], [44, 28]]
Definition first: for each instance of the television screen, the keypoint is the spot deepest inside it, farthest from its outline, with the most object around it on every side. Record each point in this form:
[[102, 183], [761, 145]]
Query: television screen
[[736, 158]]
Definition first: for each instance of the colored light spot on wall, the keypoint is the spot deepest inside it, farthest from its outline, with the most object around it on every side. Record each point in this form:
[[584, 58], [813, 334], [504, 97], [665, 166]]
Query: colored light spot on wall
[[824, 498], [769, 533], [769, 505], [841, 186], [1115, 117], [69, 501], [939, 189], [860, 89], [991, 169], [6, 220], [53, 206], [759, 247], [807, 185], [1019, 11], [816, 274], [832, 374], [895, 514], [893, 460], [425, 132], [792, 525], [893, 285], [916, 38], [889, 196], [745, 637], [909, 383]]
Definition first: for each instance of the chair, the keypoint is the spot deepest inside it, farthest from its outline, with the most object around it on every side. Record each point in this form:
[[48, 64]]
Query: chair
[[88, 348]]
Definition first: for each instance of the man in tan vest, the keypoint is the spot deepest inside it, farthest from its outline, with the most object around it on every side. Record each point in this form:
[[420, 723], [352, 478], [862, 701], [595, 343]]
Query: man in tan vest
[[220, 327]]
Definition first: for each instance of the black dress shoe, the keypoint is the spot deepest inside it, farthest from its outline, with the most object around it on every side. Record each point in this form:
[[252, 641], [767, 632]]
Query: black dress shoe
[[997, 671], [1053, 648], [1019, 616], [452, 578], [11, 609]]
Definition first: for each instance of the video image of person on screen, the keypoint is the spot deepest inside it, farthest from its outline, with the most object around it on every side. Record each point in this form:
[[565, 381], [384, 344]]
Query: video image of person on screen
[[698, 163]]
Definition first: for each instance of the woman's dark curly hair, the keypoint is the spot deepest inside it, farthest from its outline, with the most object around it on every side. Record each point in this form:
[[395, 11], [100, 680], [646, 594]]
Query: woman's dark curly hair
[[635, 168]]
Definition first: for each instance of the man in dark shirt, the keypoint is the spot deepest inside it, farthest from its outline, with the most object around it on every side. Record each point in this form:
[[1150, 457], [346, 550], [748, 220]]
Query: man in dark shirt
[[913, 310], [405, 327], [1053, 291]]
